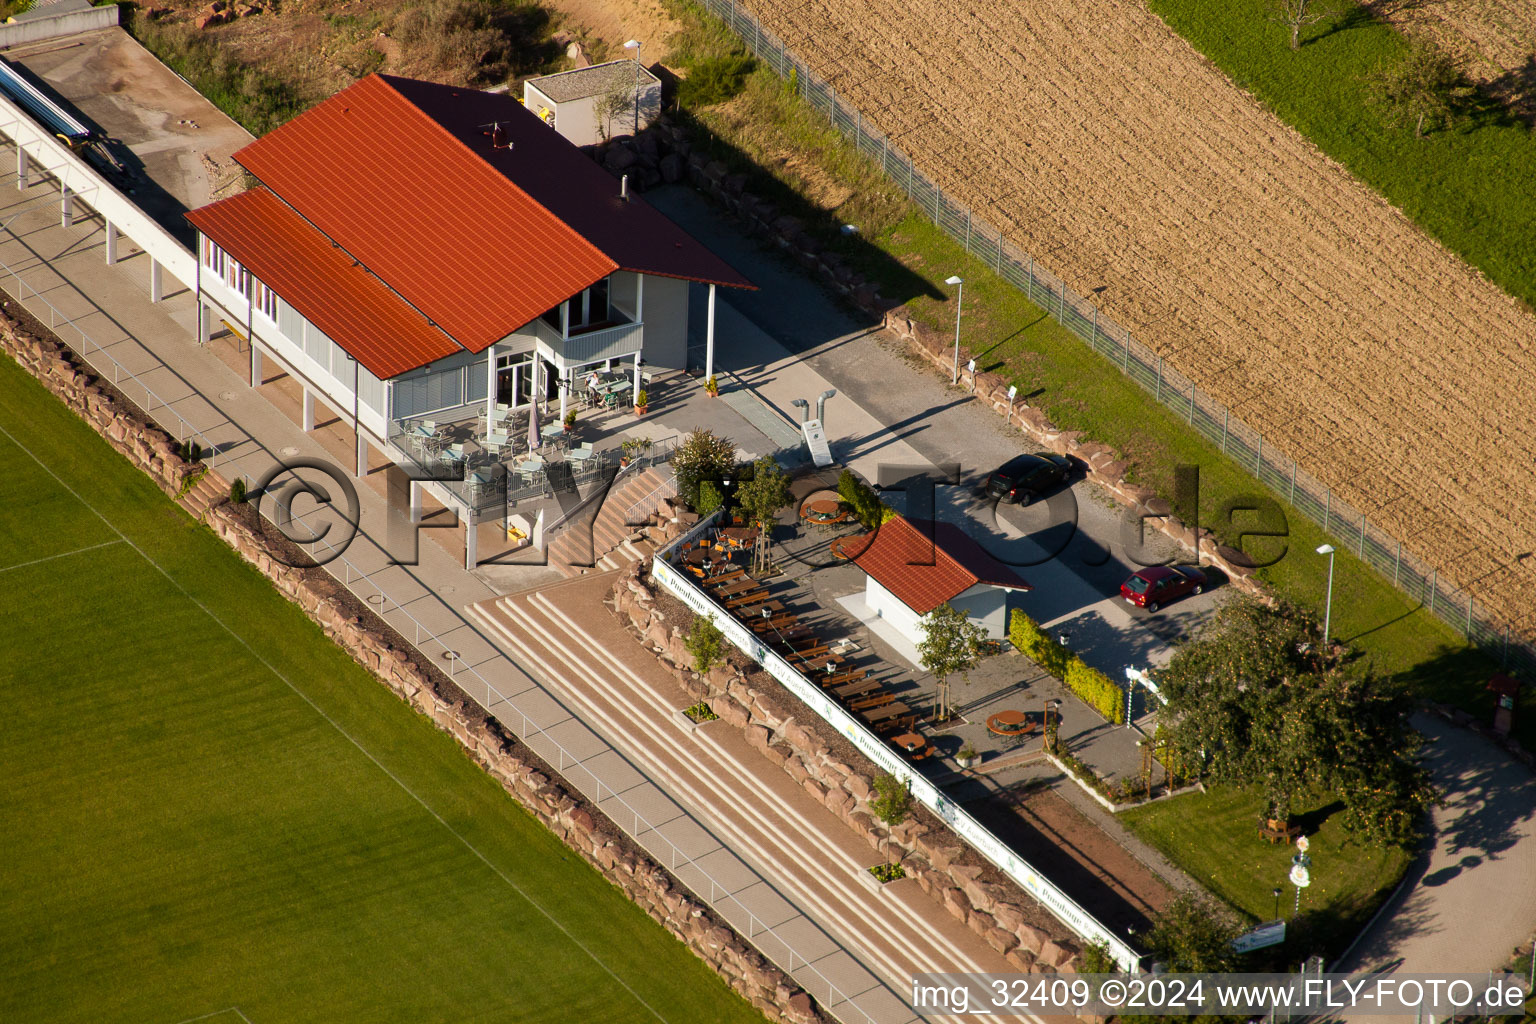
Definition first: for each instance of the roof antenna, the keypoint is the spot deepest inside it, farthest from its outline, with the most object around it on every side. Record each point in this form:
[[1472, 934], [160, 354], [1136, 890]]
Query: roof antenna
[[624, 187]]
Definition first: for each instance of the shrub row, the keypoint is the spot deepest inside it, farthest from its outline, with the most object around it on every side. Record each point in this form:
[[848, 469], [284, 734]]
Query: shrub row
[[1090, 685]]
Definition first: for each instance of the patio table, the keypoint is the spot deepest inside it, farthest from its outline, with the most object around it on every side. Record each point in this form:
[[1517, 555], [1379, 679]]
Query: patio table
[[885, 713], [848, 691], [1009, 723]]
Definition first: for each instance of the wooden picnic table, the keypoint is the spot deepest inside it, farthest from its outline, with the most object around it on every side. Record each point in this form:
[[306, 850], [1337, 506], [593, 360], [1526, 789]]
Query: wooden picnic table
[[914, 745], [1009, 723], [736, 585], [885, 713], [852, 676], [847, 691], [747, 597], [723, 575], [878, 698], [772, 606], [740, 536], [781, 625]]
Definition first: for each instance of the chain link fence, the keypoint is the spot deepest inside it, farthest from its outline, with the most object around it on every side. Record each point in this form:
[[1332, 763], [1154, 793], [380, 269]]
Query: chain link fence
[[1301, 490]]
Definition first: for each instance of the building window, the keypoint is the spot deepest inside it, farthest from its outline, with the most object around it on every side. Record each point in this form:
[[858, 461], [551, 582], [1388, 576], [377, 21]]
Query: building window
[[213, 257], [266, 301]]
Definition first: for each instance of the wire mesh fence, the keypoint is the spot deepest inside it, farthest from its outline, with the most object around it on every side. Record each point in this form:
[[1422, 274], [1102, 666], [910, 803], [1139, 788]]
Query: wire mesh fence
[[1266, 460]]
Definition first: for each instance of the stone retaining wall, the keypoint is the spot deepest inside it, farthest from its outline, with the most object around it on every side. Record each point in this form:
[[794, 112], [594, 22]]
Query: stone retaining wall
[[665, 154], [840, 778], [521, 773]]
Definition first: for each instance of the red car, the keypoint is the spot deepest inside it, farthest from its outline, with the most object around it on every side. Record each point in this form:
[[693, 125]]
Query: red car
[[1155, 586]]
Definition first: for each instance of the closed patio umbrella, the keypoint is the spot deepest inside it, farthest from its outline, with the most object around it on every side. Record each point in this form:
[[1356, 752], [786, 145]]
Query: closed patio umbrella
[[534, 442]]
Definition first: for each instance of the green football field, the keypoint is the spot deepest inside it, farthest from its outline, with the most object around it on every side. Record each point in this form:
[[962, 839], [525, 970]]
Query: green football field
[[209, 811]]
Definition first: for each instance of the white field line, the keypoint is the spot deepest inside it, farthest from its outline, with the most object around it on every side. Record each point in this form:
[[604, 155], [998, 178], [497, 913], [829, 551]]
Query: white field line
[[63, 554], [346, 735]]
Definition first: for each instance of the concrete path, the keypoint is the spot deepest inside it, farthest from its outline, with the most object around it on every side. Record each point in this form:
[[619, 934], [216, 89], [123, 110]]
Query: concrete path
[[1470, 899]]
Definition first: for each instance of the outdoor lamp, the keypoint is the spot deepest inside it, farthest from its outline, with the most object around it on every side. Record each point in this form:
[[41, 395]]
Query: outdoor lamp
[[1327, 549], [959, 303]]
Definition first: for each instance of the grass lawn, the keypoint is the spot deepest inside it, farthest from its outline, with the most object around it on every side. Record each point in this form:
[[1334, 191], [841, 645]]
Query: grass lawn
[[208, 805], [1214, 836], [1469, 187]]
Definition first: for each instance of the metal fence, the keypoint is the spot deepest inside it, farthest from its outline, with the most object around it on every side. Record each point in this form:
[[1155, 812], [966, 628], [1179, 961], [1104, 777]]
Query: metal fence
[[1304, 492], [573, 767], [124, 379]]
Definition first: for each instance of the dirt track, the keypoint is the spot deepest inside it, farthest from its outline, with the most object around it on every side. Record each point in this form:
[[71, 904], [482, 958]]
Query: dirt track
[[1291, 292]]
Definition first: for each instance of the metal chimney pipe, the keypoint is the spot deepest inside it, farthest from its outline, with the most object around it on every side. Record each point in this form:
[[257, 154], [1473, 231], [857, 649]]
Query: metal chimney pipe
[[624, 187], [803, 406]]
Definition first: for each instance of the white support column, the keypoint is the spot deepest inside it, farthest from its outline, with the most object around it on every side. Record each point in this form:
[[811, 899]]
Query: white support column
[[490, 387], [639, 298], [565, 320], [471, 556], [154, 280], [515, 375], [255, 364], [21, 168], [66, 208], [309, 410], [563, 384], [111, 243], [362, 455], [415, 501], [709, 337], [204, 323], [637, 379]]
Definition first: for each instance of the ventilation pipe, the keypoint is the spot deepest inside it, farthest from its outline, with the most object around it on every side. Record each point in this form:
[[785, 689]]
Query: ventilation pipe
[[803, 406], [624, 187], [821, 404]]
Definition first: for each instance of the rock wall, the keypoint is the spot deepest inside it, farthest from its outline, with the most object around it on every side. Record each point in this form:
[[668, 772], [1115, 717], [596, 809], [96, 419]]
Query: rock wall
[[783, 730], [665, 153], [521, 772]]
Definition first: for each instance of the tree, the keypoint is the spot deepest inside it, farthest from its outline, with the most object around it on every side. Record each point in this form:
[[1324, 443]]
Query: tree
[[701, 456], [710, 498], [761, 496], [1191, 935], [1297, 14], [1259, 700], [892, 799], [1425, 85], [951, 643], [612, 105], [706, 643], [861, 498]]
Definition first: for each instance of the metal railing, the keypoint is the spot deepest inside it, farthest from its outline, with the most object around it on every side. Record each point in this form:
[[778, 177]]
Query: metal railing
[[590, 346], [1063, 907], [89, 349], [1265, 459], [572, 767]]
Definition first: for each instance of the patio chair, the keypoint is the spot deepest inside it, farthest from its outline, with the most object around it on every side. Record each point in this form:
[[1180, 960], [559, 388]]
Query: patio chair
[[452, 454], [495, 441]]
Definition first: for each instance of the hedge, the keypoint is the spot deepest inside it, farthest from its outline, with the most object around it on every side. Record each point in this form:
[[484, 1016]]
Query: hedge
[[1090, 685]]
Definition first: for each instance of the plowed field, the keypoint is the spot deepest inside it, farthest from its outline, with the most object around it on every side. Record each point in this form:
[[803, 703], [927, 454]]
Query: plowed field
[[1281, 285]]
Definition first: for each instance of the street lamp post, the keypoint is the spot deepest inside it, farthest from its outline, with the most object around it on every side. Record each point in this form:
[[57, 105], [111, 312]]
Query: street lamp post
[[1327, 549], [634, 44], [1277, 903], [959, 304]]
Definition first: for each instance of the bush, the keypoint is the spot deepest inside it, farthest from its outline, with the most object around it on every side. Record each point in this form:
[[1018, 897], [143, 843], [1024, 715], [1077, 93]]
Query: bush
[[714, 80], [1090, 685], [710, 498], [862, 499], [702, 456], [892, 799], [237, 490], [706, 643]]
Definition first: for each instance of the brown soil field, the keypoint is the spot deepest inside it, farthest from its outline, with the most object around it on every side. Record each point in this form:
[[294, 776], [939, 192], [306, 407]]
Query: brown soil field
[[1284, 287]]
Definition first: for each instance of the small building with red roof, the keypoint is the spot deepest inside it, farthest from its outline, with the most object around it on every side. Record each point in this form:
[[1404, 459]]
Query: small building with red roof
[[414, 251], [914, 566]]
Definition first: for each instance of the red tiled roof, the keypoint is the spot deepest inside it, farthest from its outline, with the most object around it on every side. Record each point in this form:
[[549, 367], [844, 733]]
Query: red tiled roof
[[322, 282], [926, 563], [401, 174]]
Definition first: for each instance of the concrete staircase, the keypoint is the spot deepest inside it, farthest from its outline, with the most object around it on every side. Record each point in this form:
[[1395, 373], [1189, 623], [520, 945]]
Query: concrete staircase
[[613, 525]]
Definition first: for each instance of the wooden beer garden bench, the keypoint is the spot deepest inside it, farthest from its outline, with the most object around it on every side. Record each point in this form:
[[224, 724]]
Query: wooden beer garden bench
[[848, 691], [751, 597], [870, 701], [851, 676]]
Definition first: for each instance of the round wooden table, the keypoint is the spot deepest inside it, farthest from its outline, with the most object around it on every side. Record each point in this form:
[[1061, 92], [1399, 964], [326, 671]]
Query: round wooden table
[[823, 510], [910, 743], [1009, 723]]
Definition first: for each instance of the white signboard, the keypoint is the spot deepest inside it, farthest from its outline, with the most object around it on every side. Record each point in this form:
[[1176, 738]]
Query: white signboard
[[988, 845], [816, 441], [1270, 933]]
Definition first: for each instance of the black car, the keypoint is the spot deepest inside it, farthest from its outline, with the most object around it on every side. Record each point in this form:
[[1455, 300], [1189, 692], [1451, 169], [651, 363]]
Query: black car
[[1024, 478]]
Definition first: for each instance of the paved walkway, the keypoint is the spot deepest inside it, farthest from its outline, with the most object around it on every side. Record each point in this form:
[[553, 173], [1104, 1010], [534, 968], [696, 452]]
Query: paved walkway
[[1471, 898], [565, 636]]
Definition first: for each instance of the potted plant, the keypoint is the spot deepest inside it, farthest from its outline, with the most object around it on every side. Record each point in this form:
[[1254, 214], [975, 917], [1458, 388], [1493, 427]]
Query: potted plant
[[633, 447], [712, 388], [968, 757], [570, 420], [642, 402]]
